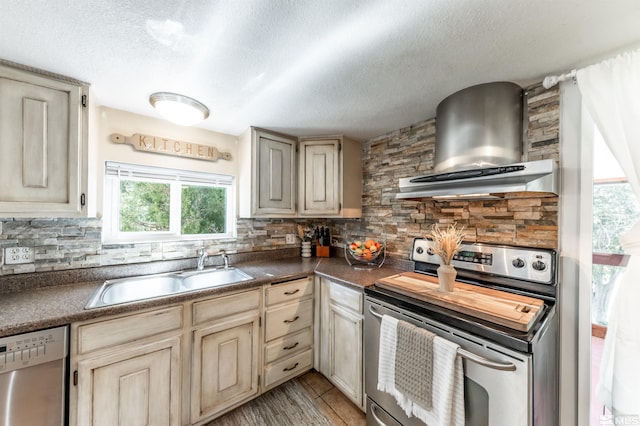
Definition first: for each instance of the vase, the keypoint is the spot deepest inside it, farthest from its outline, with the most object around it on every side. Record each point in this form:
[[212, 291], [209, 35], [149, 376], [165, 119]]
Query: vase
[[446, 277], [306, 249]]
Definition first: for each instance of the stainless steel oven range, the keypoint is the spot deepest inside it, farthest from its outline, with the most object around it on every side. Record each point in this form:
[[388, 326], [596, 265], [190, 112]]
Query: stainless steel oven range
[[510, 377]]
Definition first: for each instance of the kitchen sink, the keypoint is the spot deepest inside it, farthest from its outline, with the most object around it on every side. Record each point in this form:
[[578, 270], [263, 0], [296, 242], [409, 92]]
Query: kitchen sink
[[124, 290], [195, 280]]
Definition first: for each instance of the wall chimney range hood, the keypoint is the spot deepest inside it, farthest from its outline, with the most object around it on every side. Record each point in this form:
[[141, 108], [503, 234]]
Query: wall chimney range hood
[[519, 180], [478, 150]]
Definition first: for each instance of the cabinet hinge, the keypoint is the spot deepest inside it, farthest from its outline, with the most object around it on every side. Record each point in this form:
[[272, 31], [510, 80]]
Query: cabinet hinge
[[83, 199], [84, 101], [75, 378], [339, 147], [260, 322], [259, 377]]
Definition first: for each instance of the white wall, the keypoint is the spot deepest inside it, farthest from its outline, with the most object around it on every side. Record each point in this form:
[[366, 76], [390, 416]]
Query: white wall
[[575, 258], [116, 121]]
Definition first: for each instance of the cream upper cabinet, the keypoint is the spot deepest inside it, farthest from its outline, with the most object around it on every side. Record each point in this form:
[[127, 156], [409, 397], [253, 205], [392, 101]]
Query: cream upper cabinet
[[267, 178], [330, 182], [43, 138], [341, 345], [314, 177]]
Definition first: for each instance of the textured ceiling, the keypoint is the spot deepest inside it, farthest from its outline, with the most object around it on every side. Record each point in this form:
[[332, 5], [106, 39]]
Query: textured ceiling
[[306, 67]]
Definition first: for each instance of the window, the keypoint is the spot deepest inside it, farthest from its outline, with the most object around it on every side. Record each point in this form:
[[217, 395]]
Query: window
[[144, 203], [615, 209]]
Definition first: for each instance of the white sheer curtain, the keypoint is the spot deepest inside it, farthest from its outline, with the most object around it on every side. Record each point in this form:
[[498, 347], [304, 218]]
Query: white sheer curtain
[[611, 93]]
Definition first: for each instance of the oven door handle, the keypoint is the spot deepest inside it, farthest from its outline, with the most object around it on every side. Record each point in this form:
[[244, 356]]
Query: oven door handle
[[470, 356], [375, 416]]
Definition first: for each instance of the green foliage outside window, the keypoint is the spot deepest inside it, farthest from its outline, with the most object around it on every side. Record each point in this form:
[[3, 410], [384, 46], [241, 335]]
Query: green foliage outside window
[[203, 210], [144, 206], [615, 209]]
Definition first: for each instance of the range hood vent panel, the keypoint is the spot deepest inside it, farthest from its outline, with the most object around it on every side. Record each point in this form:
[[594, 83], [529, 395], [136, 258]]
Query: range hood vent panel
[[533, 178]]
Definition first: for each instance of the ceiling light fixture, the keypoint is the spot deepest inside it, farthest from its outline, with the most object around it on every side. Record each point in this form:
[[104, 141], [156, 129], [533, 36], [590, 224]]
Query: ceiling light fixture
[[179, 109]]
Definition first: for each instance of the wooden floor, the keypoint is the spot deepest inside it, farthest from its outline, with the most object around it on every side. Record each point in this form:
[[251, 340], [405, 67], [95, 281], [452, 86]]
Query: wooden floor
[[337, 407], [309, 400]]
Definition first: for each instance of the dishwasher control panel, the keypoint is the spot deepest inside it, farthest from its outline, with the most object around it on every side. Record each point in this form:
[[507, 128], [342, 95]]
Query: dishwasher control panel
[[29, 349]]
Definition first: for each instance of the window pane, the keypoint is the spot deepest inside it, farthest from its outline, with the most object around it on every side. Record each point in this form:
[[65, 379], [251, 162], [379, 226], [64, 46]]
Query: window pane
[[203, 210], [615, 209], [144, 206], [604, 278]]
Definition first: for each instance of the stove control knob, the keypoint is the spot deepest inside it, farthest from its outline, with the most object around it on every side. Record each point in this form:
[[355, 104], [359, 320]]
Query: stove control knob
[[518, 263], [539, 265], [419, 250]]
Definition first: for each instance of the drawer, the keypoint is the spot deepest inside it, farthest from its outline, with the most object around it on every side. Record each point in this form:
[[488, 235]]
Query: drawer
[[288, 345], [344, 296], [289, 367], [224, 306], [293, 290], [116, 331], [288, 318]]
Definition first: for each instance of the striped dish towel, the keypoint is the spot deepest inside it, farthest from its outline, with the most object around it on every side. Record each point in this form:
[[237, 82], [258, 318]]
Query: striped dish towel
[[448, 379]]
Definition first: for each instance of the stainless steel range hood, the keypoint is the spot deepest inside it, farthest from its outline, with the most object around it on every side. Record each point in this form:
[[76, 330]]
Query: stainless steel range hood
[[478, 149], [529, 179]]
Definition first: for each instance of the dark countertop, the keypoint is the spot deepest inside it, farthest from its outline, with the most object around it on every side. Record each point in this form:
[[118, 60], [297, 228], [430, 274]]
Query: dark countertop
[[337, 270], [48, 306]]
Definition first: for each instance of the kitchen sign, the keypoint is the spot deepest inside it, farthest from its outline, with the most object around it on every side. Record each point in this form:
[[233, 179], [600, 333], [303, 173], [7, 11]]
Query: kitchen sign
[[166, 146]]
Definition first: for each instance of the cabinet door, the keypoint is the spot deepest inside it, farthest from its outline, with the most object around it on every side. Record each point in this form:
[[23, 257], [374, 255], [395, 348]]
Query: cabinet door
[[224, 366], [41, 135], [275, 180], [320, 177], [345, 351], [341, 325], [140, 386]]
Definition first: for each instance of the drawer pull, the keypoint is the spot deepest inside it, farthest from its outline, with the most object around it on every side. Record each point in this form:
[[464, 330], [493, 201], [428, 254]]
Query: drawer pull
[[293, 320], [291, 368], [289, 293], [288, 348]]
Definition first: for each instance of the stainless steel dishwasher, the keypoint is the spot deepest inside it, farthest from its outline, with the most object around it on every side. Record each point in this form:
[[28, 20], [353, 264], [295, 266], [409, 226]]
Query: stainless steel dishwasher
[[33, 370]]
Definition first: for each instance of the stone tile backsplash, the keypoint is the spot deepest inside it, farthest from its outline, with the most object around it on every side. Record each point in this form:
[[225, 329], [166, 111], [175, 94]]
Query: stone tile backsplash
[[61, 244]]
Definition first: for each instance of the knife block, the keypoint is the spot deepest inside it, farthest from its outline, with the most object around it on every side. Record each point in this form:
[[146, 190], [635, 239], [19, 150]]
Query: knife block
[[322, 251]]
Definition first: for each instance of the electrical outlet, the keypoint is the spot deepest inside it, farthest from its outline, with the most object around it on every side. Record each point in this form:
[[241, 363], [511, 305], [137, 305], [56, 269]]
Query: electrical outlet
[[16, 255], [290, 239]]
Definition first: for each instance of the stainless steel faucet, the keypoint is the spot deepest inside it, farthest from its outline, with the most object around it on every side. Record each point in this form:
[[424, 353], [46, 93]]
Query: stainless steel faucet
[[225, 259], [202, 256]]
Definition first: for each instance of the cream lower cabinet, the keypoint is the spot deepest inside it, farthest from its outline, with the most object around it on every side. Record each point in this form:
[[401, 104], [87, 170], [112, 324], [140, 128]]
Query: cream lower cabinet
[[190, 363], [288, 336], [224, 360], [127, 370], [341, 331]]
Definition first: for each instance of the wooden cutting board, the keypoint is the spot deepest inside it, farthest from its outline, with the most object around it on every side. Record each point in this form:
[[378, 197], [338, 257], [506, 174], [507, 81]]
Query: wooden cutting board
[[500, 307]]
